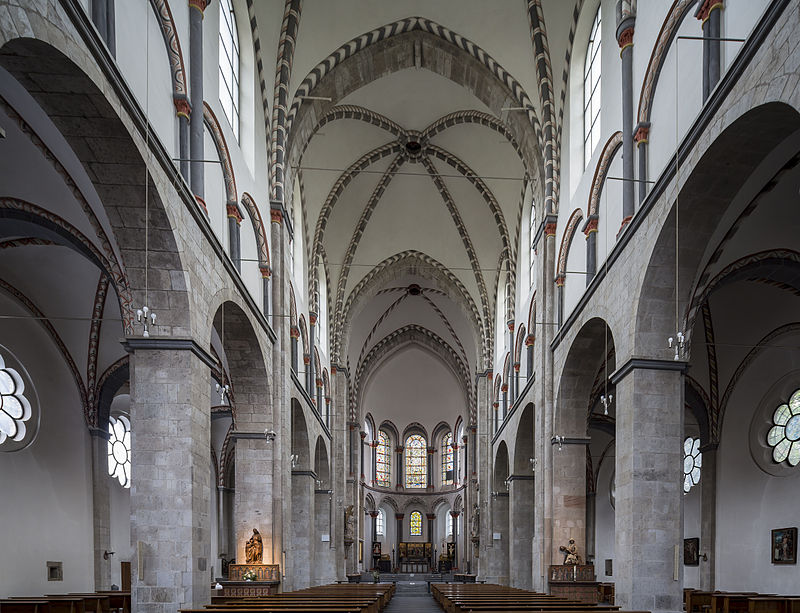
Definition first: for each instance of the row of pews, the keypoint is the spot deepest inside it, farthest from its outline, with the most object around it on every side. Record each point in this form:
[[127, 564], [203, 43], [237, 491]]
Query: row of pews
[[490, 598], [95, 602], [698, 601], [337, 598]]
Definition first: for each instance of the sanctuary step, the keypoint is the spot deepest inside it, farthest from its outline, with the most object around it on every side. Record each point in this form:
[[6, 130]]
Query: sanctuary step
[[416, 577]]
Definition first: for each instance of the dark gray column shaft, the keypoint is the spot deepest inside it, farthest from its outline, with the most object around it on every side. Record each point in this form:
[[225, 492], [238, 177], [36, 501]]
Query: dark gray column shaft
[[183, 145], [312, 367], [591, 255], [235, 241], [196, 153], [625, 39]]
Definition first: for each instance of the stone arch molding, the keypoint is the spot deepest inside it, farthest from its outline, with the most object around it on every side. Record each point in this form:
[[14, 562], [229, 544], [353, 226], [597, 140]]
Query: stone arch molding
[[425, 339], [405, 262]]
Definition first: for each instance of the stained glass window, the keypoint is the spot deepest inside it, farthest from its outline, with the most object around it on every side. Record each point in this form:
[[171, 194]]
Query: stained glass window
[[229, 65], [692, 461], [383, 468], [119, 449], [784, 435], [415, 523], [15, 409], [416, 461], [451, 521], [591, 92], [380, 523], [447, 459]]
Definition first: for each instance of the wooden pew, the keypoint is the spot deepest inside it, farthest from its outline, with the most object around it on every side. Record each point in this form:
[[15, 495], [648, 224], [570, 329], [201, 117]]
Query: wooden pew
[[773, 604], [8, 605], [60, 603]]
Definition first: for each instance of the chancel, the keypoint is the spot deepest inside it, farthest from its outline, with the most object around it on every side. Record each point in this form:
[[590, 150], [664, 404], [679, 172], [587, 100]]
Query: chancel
[[395, 304]]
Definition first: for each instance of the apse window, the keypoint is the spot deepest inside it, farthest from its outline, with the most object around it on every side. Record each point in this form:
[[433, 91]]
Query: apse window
[[229, 65], [416, 461], [784, 435], [591, 92], [383, 458], [415, 524], [119, 449], [380, 523], [15, 409], [447, 459], [692, 461]]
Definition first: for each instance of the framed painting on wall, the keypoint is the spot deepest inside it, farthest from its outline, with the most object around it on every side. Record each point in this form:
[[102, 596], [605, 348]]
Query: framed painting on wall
[[784, 546], [691, 552]]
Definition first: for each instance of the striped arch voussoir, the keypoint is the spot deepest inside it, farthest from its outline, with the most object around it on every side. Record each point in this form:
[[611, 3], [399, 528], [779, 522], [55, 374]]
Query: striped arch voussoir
[[222, 150], [566, 240]]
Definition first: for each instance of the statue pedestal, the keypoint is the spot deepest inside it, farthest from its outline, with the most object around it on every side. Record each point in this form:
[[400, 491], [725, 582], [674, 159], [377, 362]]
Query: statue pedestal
[[268, 578], [576, 582]]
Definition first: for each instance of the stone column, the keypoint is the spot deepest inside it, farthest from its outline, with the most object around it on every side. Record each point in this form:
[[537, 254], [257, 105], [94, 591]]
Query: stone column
[[399, 451], [184, 111], [312, 367], [170, 492], [374, 461], [234, 234], [590, 230], [626, 19], [709, 14], [521, 530], [516, 383], [431, 451], [708, 516], [222, 523], [510, 382], [504, 391], [104, 20], [649, 500], [398, 536], [362, 454], [431, 519], [252, 501], [642, 132], [529, 347], [307, 373], [374, 516], [265, 277], [569, 493], [294, 334], [302, 523], [101, 505], [455, 446], [454, 515], [560, 298], [196, 148]]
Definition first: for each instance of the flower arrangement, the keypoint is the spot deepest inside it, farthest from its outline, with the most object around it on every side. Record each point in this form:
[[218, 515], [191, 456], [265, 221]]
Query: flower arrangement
[[249, 575]]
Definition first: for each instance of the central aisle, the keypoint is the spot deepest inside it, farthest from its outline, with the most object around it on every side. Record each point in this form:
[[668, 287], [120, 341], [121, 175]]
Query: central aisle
[[412, 596]]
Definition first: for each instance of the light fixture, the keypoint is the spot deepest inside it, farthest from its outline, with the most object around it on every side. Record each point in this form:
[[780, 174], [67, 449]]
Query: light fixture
[[681, 339], [606, 400], [560, 440], [223, 391], [107, 554], [533, 464], [147, 318], [269, 434], [293, 459]]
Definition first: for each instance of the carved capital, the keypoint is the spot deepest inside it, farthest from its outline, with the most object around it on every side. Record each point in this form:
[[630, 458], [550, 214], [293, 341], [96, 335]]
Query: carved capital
[[550, 229], [200, 5], [182, 106], [642, 133], [276, 216], [704, 10], [625, 39], [591, 226], [530, 340], [266, 273], [560, 280], [232, 210]]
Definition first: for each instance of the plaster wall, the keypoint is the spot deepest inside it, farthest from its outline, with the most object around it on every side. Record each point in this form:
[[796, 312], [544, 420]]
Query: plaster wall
[[46, 501]]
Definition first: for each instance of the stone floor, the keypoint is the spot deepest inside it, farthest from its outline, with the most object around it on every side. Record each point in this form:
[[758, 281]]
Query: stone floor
[[412, 596]]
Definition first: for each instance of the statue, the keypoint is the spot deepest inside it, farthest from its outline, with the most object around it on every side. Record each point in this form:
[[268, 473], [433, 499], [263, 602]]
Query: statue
[[475, 530], [572, 557], [254, 549], [349, 523]]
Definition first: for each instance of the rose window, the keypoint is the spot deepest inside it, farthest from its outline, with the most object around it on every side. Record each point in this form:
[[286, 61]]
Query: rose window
[[784, 436], [692, 461], [15, 409], [119, 449]]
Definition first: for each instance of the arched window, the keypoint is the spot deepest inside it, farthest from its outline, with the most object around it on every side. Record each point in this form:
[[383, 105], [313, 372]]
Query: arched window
[[591, 92], [784, 435], [532, 235], [380, 523], [451, 522], [416, 461], [692, 460], [415, 524], [119, 449], [447, 459], [383, 468], [229, 65]]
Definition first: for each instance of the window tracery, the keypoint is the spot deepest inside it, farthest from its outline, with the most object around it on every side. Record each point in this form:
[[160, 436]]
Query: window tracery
[[119, 449], [592, 91], [416, 461], [15, 409], [692, 461], [383, 468], [229, 65], [415, 524], [784, 435]]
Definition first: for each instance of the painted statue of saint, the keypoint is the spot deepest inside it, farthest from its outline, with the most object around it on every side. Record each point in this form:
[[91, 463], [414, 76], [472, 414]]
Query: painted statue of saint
[[254, 549]]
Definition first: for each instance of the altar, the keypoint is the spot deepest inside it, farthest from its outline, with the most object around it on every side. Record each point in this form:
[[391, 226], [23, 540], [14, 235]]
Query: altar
[[254, 578], [415, 557]]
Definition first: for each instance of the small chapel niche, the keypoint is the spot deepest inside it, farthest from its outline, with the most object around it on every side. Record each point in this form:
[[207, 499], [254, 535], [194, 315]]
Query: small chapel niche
[[55, 571]]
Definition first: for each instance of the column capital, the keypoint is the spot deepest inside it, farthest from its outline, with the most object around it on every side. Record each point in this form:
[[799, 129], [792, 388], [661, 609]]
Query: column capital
[[510, 324], [276, 215], [647, 364], [183, 107], [455, 513], [399, 449], [530, 340], [363, 435], [704, 10], [550, 229], [373, 514], [312, 318], [559, 280], [430, 516], [232, 211], [265, 271], [625, 37], [431, 450], [134, 344], [399, 516], [200, 5], [590, 225], [294, 332], [642, 132]]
